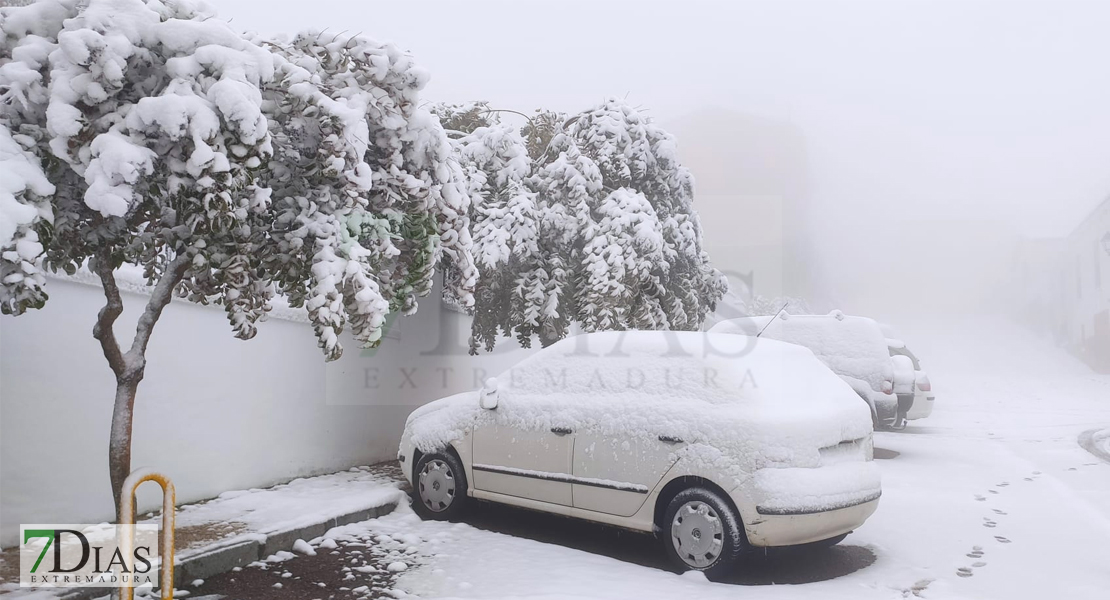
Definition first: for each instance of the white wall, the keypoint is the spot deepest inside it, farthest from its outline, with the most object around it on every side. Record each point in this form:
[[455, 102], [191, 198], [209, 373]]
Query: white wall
[[1085, 265], [215, 413]]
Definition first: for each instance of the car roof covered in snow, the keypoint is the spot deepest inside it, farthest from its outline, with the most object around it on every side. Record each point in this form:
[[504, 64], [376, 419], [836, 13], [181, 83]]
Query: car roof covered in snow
[[851, 346], [708, 367]]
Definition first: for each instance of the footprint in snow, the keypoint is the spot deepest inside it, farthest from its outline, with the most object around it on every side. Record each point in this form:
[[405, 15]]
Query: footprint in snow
[[1029, 479], [979, 564], [976, 552], [1003, 484], [964, 572], [1036, 472], [999, 512], [1002, 539], [989, 523], [979, 498], [993, 491], [1072, 469]]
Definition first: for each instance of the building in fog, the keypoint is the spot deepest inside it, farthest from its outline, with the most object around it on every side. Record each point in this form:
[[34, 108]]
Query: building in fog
[[1085, 276], [1065, 287]]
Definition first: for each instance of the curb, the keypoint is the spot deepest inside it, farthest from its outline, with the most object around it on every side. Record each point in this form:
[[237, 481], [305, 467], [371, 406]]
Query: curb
[[1087, 442], [218, 558]]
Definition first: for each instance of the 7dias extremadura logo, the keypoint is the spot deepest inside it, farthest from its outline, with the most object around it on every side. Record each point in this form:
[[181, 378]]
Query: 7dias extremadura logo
[[88, 555]]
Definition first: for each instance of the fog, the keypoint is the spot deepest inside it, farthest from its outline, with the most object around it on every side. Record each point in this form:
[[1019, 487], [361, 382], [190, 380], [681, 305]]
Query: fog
[[884, 156]]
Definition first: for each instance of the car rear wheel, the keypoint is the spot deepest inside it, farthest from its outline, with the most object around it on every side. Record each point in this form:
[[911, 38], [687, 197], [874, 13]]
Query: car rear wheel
[[702, 533], [439, 487]]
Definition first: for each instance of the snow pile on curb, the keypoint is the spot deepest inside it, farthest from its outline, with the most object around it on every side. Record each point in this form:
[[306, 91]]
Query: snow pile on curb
[[300, 503], [1097, 442]]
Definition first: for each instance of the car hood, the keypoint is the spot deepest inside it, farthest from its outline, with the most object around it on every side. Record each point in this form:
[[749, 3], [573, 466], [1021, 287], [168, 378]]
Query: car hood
[[440, 422]]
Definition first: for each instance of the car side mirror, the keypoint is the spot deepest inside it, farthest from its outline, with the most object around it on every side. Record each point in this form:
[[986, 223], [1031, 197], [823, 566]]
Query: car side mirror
[[487, 398]]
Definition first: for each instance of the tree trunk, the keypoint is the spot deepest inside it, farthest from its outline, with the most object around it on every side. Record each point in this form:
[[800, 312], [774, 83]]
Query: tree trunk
[[129, 368], [119, 445]]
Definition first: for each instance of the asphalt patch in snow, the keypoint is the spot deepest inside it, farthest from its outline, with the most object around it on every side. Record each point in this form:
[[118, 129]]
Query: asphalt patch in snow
[[885, 454], [357, 568]]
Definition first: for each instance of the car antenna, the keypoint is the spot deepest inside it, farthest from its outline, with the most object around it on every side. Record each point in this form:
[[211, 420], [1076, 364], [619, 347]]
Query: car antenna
[[772, 319]]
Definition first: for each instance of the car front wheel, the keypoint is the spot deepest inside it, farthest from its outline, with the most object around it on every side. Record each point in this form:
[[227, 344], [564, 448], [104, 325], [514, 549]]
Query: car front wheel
[[439, 487], [701, 532]]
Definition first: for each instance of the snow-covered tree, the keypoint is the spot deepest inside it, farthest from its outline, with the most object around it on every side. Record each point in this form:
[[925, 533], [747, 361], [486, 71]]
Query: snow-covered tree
[[617, 244], [463, 118], [540, 129], [230, 169], [505, 224], [633, 153], [24, 207]]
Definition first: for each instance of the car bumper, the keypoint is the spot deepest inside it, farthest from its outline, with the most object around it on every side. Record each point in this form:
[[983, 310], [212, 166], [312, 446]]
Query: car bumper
[[405, 457], [922, 406], [786, 507], [796, 529]]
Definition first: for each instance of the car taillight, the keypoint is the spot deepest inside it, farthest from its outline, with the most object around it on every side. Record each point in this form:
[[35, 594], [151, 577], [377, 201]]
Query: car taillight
[[924, 386]]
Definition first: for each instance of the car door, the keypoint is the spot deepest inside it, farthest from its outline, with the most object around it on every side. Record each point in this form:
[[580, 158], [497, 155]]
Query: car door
[[614, 474], [523, 462]]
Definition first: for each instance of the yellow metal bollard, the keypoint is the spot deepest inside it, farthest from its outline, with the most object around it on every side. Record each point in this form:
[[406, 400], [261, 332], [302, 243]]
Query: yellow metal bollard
[[127, 517]]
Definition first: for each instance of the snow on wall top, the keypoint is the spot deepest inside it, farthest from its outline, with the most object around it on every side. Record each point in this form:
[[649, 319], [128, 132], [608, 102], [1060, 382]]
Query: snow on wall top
[[741, 404], [851, 346], [130, 278]]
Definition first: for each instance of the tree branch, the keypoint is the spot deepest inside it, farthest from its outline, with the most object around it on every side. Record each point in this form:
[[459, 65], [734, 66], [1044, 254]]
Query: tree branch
[[159, 298], [106, 319], [508, 110]]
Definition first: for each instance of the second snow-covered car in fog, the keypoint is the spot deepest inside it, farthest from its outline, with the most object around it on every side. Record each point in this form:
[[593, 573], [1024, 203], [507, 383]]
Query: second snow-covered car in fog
[[853, 347], [716, 443], [922, 390]]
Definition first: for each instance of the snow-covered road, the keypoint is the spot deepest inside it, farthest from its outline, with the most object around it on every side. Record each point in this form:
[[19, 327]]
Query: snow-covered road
[[990, 498]]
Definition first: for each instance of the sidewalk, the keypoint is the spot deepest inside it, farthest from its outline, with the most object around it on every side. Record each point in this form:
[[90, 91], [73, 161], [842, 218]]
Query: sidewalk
[[239, 527]]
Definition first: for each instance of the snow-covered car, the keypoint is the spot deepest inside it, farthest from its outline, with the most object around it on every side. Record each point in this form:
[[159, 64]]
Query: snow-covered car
[[922, 394], [853, 347], [716, 443], [904, 385]]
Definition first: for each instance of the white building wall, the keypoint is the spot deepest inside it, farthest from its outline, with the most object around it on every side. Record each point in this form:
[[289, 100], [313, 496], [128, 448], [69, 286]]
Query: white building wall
[[1083, 276], [215, 413]]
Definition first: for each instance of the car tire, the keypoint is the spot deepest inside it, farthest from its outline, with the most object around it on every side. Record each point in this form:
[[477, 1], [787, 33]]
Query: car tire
[[701, 532], [439, 487]]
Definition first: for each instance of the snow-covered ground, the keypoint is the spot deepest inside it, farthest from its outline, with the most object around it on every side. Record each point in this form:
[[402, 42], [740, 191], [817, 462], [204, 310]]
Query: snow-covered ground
[[991, 497]]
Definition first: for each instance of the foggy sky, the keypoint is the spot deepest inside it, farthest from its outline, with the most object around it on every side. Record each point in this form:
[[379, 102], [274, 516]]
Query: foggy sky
[[995, 115]]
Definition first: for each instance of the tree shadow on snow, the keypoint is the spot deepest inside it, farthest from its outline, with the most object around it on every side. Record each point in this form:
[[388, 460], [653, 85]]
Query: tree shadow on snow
[[804, 564]]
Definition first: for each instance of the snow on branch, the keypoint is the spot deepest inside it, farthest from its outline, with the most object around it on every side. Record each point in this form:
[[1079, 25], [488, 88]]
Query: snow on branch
[[583, 221]]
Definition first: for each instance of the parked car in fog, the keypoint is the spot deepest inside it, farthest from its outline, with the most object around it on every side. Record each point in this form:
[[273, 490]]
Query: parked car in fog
[[923, 398], [716, 443], [853, 347]]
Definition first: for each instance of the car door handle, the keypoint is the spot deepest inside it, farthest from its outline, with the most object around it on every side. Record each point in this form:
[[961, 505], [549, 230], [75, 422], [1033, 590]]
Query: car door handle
[[670, 439], [561, 430]]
